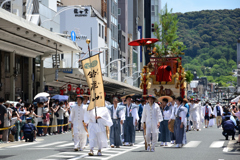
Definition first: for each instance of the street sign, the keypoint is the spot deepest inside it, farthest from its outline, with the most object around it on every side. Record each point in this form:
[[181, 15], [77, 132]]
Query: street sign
[[73, 36]]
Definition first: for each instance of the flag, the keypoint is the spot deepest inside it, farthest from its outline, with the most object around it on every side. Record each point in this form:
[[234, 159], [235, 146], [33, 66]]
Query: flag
[[93, 74]]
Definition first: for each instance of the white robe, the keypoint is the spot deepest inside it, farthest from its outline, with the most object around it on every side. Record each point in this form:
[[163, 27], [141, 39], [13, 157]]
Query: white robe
[[152, 115], [97, 131], [77, 117], [194, 114], [209, 111]]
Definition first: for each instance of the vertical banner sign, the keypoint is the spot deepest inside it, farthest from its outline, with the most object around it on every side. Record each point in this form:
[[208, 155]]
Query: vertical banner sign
[[93, 74]]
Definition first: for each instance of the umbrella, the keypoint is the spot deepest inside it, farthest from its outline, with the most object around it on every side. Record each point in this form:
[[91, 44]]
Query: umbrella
[[42, 94], [40, 99], [143, 42], [235, 99], [60, 97]]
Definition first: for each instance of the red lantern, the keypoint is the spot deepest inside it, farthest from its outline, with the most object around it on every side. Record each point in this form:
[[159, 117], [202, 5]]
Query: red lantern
[[61, 91], [69, 87], [104, 94], [88, 91], [81, 91], [74, 89], [78, 90]]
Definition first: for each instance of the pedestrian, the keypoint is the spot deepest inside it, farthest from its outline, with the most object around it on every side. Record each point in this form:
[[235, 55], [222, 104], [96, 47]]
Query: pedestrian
[[3, 115], [28, 130], [194, 113], [218, 113], [151, 118], [228, 128], [140, 110], [166, 111], [131, 120], [39, 112], [55, 116], [117, 114], [66, 116], [97, 119], [7, 122], [179, 114], [237, 114], [185, 103], [211, 118], [173, 105], [207, 113], [60, 118]]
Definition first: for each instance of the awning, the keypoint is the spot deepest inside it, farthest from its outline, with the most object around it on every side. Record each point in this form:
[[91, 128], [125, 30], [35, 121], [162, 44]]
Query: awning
[[76, 76], [28, 39]]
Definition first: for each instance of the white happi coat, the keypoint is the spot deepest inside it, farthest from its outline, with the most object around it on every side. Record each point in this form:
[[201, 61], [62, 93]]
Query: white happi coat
[[77, 117], [215, 110], [209, 110], [151, 116], [194, 112]]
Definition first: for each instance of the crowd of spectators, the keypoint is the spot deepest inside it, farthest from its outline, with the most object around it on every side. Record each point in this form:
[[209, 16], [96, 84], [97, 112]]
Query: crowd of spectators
[[45, 116]]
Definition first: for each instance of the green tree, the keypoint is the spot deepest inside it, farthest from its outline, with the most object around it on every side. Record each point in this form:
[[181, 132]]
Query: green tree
[[166, 32], [189, 77]]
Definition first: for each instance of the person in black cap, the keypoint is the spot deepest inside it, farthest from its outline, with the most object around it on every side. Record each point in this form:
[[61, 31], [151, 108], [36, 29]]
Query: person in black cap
[[131, 120], [3, 114], [28, 130], [228, 128]]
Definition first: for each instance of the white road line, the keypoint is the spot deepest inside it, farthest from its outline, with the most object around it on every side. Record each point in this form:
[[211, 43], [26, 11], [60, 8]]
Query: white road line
[[217, 144], [61, 156], [225, 149], [23, 145], [50, 144], [68, 144], [192, 144]]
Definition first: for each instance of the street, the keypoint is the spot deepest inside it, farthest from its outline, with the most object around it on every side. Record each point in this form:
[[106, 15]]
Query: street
[[208, 144]]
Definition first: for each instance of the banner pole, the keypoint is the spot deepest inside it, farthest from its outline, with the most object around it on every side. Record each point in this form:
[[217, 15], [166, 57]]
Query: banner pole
[[90, 55]]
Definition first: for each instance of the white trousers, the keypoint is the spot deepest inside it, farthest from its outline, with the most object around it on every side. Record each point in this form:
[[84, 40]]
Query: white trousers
[[195, 124], [80, 140], [154, 138]]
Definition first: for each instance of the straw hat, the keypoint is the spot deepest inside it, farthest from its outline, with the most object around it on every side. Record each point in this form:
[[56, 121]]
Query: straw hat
[[165, 97]]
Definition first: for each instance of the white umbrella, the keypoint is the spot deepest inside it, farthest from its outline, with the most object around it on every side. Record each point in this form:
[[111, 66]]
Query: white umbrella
[[235, 99], [42, 94]]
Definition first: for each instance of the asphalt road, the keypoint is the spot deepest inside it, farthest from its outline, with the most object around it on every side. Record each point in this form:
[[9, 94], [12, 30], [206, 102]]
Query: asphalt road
[[207, 144]]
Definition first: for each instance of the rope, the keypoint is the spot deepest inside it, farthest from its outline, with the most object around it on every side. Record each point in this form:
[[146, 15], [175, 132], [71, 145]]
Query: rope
[[1, 129]]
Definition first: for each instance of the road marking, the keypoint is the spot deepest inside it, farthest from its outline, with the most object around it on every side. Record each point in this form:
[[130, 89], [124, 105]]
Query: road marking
[[23, 145], [225, 149], [192, 144], [50, 144], [61, 156], [217, 144], [65, 145]]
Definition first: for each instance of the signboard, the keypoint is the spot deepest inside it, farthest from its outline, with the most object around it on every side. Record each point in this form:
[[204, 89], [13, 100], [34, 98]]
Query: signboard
[[93, 74], [65, 70], [81, 13], [73, 36]]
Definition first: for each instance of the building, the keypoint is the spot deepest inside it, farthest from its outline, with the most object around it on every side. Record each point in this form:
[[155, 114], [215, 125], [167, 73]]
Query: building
[[23, 47]]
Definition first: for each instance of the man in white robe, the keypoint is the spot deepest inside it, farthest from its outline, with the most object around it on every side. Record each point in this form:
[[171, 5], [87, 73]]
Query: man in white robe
[[96, 129], [152, 117], [194, 114], [77, 119]]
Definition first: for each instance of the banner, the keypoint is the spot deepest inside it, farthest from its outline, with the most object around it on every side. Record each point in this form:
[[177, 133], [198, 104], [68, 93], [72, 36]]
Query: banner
[[93, 74]]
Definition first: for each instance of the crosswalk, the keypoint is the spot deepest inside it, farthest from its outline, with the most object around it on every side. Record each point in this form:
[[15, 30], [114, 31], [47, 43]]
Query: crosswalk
[[65, 149]]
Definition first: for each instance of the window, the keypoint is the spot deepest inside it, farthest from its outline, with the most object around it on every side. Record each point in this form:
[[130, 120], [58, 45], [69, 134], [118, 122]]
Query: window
[[18, 64], [119, 26], [102, 31], [7, 63], [99, 27], [119, 11]]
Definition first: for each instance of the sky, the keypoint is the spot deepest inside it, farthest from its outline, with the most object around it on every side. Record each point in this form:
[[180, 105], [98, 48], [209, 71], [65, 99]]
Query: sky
[[198, 5]]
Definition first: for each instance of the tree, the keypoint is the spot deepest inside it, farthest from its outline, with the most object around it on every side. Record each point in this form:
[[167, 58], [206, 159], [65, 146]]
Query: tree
[[166, 32], [189, 77]]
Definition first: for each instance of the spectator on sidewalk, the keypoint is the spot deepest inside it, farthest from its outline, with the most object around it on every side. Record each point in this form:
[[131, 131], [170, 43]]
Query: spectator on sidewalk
[[3, 114], [237, 114], [46, 117], [39, 112], [60, 118], [28, 129], [66, 116], [55, 115], [228, 128], [7, 122]]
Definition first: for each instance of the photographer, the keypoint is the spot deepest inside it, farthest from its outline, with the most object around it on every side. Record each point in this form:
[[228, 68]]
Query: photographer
[[29, 130], [60, 118]]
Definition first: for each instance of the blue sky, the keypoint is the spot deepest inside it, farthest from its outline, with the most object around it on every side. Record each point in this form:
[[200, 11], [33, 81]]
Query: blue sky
[[198, 5]]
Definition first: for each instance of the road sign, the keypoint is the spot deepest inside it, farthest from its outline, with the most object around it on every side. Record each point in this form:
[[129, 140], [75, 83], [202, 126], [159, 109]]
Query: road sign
[[73, 36]]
